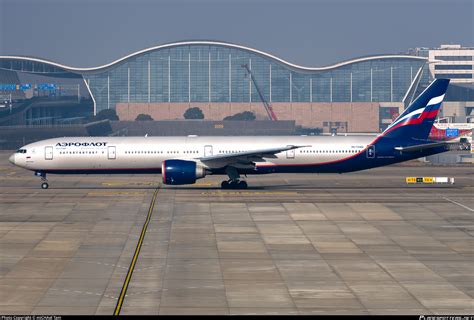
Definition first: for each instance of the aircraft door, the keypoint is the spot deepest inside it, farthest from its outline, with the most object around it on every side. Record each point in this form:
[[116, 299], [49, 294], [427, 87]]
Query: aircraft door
[[290, 154], [48, 153], [111, 153], [207, 151], [370, 152]]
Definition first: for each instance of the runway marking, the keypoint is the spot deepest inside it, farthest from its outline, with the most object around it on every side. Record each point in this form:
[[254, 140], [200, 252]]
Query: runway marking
[[459, 204], [123, 292]]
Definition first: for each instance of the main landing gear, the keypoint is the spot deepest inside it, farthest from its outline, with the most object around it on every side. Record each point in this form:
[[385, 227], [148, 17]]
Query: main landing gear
[[44, 183], [234, 181], [234, 184]]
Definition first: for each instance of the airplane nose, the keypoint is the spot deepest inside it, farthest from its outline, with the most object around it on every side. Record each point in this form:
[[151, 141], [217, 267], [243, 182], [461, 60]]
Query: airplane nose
[[12, 159]]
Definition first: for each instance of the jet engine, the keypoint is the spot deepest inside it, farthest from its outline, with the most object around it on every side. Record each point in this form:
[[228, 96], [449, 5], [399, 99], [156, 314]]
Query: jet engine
[[181, 172]]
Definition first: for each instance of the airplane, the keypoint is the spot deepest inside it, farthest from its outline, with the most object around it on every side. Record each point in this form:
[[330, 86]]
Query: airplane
[[183, 160], [452, 132]]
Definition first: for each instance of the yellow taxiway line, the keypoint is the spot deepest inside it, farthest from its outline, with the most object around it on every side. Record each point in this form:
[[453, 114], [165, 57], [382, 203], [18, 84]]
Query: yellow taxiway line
[[123, 292]]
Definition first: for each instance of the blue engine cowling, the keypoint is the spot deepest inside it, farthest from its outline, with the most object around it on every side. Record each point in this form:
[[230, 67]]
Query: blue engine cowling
[[181, 172]]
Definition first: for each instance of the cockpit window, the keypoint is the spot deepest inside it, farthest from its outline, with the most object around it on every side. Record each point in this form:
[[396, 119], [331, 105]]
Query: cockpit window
[[21, 151]]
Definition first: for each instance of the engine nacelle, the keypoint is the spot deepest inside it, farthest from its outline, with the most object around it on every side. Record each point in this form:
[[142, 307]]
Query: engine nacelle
[[181, 172]]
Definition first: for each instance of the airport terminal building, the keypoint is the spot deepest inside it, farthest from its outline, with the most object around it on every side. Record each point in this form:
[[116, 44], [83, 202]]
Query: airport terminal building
[[358, 95]]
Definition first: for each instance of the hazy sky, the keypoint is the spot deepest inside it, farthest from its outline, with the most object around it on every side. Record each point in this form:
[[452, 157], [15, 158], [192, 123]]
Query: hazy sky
[[87, 33]]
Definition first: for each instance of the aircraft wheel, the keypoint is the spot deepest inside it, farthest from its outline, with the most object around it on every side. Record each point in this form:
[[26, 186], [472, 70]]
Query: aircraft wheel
[[225, 185], [242, 185], [44, 185]]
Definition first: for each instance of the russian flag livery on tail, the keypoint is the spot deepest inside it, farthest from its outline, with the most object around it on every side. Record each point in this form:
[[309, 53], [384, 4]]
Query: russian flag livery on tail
[[183, 160], [416, 121]]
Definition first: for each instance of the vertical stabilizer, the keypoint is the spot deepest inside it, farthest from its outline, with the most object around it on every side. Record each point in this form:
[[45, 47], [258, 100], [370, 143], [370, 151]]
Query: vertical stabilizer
[[416, 121]]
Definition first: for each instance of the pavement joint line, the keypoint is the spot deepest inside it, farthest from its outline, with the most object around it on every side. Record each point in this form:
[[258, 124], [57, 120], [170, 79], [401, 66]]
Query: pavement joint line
[[143, 292], [458, 226], [459, 204], [104, 264], [148, 268], [247, 193], [128, 183], [123, 292]]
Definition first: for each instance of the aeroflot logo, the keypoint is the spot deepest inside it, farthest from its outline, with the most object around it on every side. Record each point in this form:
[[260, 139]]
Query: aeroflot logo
[[81, 144]]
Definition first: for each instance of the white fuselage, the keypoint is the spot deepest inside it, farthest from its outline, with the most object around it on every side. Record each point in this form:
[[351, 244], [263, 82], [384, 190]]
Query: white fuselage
[[103, 153]]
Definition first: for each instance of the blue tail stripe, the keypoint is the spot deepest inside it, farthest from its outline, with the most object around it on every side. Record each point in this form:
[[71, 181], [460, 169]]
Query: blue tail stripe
[[416, 121]]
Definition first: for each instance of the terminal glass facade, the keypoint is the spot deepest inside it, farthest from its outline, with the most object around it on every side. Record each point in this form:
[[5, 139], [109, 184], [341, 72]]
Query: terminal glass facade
[[197, 73]]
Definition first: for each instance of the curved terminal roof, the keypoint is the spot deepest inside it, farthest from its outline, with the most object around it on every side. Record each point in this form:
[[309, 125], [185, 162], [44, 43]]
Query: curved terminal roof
[[51, 68]]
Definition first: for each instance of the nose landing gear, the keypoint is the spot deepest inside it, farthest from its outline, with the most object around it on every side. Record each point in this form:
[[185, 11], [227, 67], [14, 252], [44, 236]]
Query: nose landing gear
[[44, 184]]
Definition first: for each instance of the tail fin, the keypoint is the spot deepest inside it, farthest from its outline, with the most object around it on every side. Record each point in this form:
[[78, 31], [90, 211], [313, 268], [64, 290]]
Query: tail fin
[[416, 121]]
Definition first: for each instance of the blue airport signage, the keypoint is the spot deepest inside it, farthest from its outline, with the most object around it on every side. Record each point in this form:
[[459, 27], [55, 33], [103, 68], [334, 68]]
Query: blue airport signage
[[13, 87], [26, 86], [46, 86], [8, 87], [452, 132]]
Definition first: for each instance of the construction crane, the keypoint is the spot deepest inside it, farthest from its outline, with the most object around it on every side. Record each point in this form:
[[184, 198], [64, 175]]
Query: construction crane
[[268, 107]]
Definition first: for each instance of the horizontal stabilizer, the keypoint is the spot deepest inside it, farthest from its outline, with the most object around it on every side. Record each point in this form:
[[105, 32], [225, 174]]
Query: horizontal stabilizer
[[420, 147]]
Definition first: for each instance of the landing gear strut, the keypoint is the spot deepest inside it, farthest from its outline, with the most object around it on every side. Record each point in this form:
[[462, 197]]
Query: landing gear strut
[[234, 181], [44, 183]]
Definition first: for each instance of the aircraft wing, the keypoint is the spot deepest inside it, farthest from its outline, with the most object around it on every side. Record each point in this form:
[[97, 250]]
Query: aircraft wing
[[248, 156], [420, 147]]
